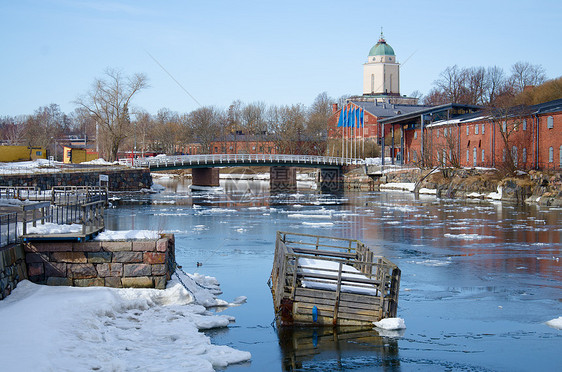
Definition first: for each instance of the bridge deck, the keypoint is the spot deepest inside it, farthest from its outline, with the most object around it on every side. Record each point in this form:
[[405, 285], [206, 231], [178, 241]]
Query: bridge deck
[[222, 160]]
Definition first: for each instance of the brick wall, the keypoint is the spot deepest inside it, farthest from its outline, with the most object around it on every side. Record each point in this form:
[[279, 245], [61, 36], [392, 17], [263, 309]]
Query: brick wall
[[138, 263], [119, 180], [12, 268]]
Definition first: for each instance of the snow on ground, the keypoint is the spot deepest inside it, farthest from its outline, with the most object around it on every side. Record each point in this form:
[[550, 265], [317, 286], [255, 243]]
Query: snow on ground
[[51, 228], [318, 266], [401, 186], [36, 166], [127, 235], [100, 161], [111, 329], [391, 323], [555, 323]]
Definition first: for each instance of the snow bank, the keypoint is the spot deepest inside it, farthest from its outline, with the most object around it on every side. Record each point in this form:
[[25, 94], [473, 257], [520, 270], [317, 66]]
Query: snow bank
[[100, 161], [390, 324], [128, 235], [110, 329], [555, 323]]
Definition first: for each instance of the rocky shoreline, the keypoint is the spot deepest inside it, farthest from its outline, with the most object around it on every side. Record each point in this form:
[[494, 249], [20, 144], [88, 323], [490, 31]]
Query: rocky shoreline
[[542, 188]]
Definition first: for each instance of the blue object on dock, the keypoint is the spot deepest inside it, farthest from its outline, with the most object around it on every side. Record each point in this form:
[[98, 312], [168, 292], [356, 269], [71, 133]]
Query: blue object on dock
[[314, 314]]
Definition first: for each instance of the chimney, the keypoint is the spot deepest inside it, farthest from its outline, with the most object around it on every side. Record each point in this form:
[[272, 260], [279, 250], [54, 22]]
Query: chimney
[[334, 107]]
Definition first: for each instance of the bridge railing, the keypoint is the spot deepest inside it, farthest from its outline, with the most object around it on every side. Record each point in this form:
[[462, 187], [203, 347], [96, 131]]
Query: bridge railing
[[190, 160]]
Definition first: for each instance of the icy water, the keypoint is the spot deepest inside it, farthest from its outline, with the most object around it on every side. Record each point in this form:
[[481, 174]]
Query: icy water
[[479, 279]]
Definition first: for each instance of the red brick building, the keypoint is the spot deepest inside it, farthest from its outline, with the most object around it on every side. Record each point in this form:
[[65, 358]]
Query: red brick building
[[522, 137]]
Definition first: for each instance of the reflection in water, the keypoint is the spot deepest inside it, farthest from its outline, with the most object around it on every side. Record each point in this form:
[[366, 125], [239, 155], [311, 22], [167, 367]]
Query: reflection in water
[[325, 348]]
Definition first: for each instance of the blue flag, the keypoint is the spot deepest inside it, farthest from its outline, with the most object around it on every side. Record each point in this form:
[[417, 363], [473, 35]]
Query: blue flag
[[358, 118], [344, 124], [362, 117]]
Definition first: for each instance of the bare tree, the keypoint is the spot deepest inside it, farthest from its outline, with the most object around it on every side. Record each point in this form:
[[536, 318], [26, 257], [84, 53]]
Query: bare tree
[[109, 101], [452, 82], [206, 122], [316, 130], [289, 125], [526, 74]]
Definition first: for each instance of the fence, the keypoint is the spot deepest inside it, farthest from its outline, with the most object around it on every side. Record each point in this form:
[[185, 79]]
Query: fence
[[8, 229]]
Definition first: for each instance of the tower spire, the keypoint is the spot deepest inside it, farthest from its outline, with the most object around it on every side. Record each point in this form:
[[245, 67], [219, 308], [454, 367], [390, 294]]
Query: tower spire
[[382, 40]]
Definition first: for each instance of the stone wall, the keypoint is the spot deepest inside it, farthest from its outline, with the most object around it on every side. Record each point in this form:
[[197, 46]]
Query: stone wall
[[138, 263], [124, 179], [12, 268]]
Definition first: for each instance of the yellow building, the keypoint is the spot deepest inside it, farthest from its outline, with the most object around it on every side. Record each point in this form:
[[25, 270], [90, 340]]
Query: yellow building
[[21, 153], [77, 154]]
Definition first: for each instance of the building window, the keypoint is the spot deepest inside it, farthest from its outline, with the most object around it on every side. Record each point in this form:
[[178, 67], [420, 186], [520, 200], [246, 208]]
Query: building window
[[483, 127], [504, 126], [482, 156], [467, 130], [474, 157], [524, 159], [524, 124], [450, 155], [415, 135], [560, 156], [444, 156], [437, 132], [503, 155], [372, 82], [476, 129], [550, 122], [514, 155], [415, 156], [467, 156], [551, 154], [230, 148], [438, 156], [38, 153], [445, 132]]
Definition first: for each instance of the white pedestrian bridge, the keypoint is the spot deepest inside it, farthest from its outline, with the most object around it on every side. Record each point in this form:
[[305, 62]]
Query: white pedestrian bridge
[[236, 160]]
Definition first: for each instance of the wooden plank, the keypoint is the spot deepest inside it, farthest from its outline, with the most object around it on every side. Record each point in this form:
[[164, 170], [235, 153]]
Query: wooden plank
[[347, 280]]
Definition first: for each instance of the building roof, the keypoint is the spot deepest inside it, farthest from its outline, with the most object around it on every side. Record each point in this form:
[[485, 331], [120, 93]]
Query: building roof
[[547, 107], [386, 110], [381, 48], [429, 110]]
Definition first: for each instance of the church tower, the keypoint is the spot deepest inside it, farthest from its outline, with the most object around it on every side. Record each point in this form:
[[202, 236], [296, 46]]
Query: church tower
[[381, 73]]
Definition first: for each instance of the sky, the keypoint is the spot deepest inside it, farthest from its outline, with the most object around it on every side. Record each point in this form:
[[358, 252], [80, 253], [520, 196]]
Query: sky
[[277, 52]]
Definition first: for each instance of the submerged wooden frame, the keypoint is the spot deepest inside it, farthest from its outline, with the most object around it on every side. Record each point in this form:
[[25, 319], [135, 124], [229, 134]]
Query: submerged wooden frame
[[295, 302]]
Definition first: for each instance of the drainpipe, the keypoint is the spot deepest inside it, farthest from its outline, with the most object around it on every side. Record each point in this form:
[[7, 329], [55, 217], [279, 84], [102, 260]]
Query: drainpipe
[[382, 145], [536, 140], [493, 144], [421, 141]]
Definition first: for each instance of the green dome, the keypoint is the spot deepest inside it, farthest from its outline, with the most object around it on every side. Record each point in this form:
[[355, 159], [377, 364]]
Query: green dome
[[381, 49]]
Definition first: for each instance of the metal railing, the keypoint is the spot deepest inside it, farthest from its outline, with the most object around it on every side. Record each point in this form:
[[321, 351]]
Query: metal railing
[[225, 159], [8, 229]]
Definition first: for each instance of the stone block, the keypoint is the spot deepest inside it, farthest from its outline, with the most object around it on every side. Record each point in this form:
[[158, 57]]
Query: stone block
[[159, 269], [154, 258], [138, 282], [160, 282], [116, 246], [87, 247], [81, 271], [35, 269], [50, 247], [136, 270], [113, 281], [19, 252], [127, 257], [36, 257], [57, 281], [162, 245], [70, 257], [144, 246], [93, 282], [99, 257], [55, 269], [110, 269]]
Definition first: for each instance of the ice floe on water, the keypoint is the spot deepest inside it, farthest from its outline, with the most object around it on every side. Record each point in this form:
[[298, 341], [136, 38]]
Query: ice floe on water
[[555, 323], [213, 211], [390, 324], [315, 216], [318, 224], [435, 263], [468, 236], [114, 329]]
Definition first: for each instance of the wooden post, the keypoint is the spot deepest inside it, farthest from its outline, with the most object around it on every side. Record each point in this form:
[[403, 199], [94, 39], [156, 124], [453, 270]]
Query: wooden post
[[337, 301]]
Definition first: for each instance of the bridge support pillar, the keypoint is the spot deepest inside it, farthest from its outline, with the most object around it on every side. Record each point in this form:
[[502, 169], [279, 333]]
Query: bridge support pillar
[[205, 177], [282, 179], [331, 180]]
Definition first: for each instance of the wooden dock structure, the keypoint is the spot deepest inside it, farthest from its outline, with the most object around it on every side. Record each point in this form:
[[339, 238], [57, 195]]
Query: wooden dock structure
[[331, 281]]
